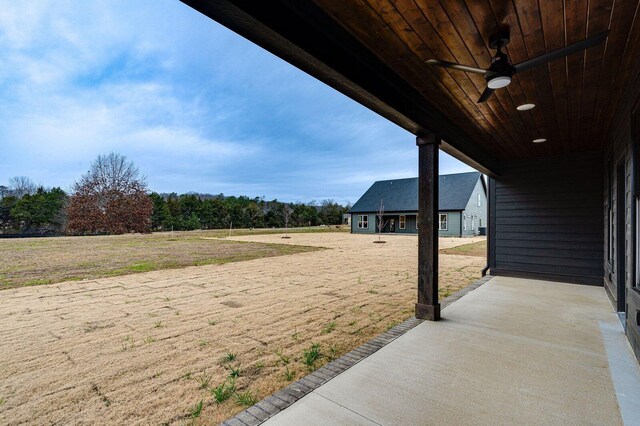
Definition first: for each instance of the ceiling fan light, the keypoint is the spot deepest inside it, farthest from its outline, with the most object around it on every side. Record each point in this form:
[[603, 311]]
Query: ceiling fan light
[[499, 82], [539, 140], [525, 107]]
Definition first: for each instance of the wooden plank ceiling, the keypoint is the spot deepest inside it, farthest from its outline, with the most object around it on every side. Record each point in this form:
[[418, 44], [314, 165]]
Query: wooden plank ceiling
[[575, 97]]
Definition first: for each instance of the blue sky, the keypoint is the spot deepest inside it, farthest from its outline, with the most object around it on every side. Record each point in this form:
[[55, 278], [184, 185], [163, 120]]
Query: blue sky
[[194, 105]]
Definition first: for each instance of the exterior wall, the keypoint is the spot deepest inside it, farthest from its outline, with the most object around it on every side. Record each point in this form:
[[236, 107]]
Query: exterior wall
[[546, 219], [472, 209], [411, 225], [622, 282], [618, 156], [372, 224], [452, 231], [453, 222]]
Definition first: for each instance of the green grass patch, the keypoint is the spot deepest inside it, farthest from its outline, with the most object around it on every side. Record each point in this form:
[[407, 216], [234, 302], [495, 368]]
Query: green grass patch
[[36, 282], [311, 355], [246, 399], [142, 267], [234, 372], [224, 391], [329, 327], [196, 410], [229, 357], [288, 374], [472, 249]]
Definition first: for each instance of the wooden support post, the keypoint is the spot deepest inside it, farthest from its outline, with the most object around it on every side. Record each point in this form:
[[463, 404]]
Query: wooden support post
[[428, 307]]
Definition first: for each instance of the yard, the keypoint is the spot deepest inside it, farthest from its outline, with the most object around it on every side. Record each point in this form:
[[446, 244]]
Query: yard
[[36, 261], [162, 346]]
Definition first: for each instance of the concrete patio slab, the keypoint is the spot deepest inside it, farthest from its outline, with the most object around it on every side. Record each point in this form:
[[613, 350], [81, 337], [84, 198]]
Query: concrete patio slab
[[514, 351]]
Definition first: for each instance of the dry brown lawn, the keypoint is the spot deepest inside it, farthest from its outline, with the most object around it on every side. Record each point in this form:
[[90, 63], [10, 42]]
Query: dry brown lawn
[[146, 348], [36, 261]]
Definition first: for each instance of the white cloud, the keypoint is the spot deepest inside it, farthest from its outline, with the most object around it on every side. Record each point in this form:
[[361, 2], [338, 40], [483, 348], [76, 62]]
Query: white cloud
[[21, 21], [194, 105]]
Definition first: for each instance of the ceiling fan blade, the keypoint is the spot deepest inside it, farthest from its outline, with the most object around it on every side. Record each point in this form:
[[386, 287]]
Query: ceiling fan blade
[[562, 52], [455, 66], [485, 95]]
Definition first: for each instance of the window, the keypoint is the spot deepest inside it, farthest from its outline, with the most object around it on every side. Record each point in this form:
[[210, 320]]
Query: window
[[402, 222], [610, 241], [637, 245], [442, 222], [363, 221], [479, 200], [610, 214], [464, 222], [473, 223]]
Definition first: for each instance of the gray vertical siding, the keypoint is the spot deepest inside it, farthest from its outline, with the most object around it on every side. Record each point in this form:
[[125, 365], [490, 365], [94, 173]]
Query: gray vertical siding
[[547, 221], [410, 225], [454, 225], [372, 224], [472, 209], [453, 230]]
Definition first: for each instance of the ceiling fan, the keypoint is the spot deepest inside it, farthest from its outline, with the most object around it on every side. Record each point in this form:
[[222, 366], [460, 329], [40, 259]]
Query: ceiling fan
[[500, 71]]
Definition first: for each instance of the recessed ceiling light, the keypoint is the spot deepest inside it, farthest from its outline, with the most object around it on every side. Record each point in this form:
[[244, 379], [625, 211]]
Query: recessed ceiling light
[[499, 81], [525, 107], [539, 140]]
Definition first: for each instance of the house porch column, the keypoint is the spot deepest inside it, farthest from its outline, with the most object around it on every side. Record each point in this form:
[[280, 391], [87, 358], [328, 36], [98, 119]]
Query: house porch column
[[428, 307]]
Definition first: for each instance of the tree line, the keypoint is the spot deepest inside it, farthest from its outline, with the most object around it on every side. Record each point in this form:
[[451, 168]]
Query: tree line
[[190, 211], [112, 198]]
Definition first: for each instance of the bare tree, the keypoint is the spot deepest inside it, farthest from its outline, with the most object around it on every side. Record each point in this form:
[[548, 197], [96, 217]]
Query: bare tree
[[381, 222], [21, 186], [254, 211], [286, 214], [4, 190], [111, 197]]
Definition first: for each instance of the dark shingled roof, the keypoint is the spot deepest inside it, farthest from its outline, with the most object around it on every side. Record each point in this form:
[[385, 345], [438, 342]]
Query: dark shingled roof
[[401, 195]]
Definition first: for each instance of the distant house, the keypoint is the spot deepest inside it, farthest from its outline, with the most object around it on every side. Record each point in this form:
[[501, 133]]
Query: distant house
[[346, 219], [462, 207]]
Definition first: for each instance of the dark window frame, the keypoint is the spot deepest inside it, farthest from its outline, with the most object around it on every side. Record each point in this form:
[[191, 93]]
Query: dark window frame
[[610, 218], [635, 187]]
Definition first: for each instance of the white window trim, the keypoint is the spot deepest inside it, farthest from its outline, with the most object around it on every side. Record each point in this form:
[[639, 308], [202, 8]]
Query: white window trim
[[446, 221], [402, 222], [479, 200], [464, 222], [363, 220]]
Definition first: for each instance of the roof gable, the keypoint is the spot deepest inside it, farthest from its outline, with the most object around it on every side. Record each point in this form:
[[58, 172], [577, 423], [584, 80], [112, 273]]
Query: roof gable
[[401, 195]]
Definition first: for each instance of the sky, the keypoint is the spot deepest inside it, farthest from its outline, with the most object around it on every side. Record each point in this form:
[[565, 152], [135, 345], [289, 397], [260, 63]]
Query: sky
[[195, 106]]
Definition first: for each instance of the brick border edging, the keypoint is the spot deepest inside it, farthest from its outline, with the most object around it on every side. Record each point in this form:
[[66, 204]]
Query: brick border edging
[[287, 396]]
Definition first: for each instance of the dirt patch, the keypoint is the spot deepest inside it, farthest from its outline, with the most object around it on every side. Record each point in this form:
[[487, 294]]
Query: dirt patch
[[147, 348]]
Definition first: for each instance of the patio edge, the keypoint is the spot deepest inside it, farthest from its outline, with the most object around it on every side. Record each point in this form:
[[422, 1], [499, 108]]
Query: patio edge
[[287, 396]]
